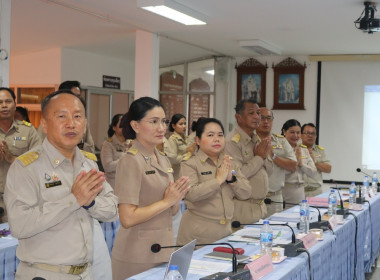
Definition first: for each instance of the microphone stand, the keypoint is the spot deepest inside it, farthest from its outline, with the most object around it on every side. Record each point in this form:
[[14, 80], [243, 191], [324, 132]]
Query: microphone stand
[[234, 275], [378, 183], [342, 211], [319, 224], [290, 249]]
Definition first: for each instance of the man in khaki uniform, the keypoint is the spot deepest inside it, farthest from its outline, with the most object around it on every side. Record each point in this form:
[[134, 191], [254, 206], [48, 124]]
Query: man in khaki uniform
[[16, 138], [282, 156], [252, 156], [87, 143], [53, 193], [313, 185]]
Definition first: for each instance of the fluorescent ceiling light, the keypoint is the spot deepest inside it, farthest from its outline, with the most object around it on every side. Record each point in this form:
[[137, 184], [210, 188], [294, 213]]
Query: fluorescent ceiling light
[[210, 72], [173, 10], [260, 47]]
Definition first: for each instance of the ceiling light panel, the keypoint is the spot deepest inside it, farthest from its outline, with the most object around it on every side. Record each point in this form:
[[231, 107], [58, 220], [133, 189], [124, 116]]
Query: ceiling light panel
[[173, 10]]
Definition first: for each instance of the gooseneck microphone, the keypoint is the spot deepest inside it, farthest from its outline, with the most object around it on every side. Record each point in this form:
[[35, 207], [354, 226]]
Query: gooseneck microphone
[[360, 171], [290, 249], [378, 183], [155, 248], [342, 211], [319, 224]]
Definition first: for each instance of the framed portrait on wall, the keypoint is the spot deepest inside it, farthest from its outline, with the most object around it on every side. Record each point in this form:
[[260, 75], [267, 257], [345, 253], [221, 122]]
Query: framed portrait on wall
[[251, 81], [289, 82]]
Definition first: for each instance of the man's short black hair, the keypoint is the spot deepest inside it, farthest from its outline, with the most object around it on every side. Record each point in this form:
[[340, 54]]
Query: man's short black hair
[[69, 85], [46, 101], [240, 107], [11, 92], [307, 124]]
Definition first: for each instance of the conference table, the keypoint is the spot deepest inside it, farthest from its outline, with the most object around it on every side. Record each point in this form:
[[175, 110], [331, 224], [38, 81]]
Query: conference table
[[331, 258]]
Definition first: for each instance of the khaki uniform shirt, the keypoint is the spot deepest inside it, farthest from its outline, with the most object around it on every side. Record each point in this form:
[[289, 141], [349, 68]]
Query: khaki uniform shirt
[[88, 142], [21, 137], [142, 181], [319, 155], [308, 168], [175, 149], [240, 146], [206, 197], [45, 216], [112, 150], [281, 148]]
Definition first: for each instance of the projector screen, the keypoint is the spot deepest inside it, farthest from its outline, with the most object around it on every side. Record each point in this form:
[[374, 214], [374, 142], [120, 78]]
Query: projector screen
[[341, 130]]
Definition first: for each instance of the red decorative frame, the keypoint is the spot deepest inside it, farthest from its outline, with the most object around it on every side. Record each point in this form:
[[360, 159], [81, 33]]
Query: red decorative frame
[[289, 83], [251, 81]]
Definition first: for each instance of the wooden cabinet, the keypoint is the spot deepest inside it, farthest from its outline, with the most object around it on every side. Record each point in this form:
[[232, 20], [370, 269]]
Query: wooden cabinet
[[30, 97]]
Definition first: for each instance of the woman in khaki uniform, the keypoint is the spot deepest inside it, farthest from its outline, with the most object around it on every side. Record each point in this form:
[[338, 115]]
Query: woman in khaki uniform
[[147, 195], [112, 149], [177, 147], [293, 191], [213, 185]]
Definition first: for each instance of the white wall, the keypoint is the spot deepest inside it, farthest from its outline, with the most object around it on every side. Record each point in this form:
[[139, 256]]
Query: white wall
[[5, 29], [36, 68], [281, 116], [89, 68]]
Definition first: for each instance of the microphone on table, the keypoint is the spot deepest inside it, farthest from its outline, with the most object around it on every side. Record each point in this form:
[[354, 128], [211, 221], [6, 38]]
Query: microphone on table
[[342, 211], [360, 171], [319, 224], [235, 274], [360, 199], [290, 249], [378, 183]]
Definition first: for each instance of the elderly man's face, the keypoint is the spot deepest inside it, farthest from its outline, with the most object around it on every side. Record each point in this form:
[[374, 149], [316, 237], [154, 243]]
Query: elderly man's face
[[309, 135], [64, 122], [250, 118]]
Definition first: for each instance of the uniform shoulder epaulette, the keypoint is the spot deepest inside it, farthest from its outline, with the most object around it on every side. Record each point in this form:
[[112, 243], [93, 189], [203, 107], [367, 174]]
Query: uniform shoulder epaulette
[[26, 123], [187, 156], [109, 139], [177, 136], [321, 148], [28, 158], [132, 151], [89, 155], [303, 146], [162, 153], [236, 138], [278, 135]]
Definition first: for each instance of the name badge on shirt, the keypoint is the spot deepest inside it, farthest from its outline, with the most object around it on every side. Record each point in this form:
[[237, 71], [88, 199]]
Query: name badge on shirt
[[206, 173], [53, 184], [150, 172]]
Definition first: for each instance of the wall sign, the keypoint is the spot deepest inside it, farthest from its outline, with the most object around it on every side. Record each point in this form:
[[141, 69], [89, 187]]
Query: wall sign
[[111, 82]]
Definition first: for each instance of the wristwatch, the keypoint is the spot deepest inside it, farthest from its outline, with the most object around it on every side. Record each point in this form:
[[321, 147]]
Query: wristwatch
[[233, 180], [274, 156]]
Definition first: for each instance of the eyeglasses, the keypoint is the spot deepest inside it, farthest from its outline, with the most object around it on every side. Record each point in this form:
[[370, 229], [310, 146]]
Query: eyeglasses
[[156, 123], [268, 118], [310, 133]]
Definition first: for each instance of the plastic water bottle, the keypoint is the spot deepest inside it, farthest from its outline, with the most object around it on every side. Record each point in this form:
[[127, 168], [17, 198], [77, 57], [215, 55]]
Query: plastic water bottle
[[304, 216], [365, 186], [375, 180], [173, 273], [352, 198], [266, 239], [332, 203]]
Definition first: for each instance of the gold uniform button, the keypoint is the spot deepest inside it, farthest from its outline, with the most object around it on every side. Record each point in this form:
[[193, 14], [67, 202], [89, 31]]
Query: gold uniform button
[[223, 222], [56, 161]]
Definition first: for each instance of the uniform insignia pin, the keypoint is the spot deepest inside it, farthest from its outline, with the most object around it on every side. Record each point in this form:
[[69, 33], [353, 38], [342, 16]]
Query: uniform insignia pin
[[47, 177]]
